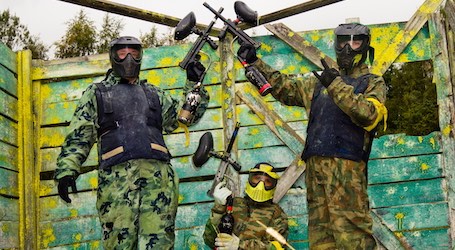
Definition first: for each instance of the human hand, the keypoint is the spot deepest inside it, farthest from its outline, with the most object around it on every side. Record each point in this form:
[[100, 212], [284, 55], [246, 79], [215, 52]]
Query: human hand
[[227, 242], [328, 74], [220, 193], [63, 185], [248, 53], [195, 71]]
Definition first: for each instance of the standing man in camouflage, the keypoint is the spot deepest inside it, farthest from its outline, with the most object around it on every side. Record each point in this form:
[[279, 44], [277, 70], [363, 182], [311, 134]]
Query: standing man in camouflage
[[344, 107], [137, 187], [256, 206]]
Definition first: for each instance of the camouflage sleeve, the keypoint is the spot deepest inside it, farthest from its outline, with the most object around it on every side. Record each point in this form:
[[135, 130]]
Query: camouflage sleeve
[[288, 89], [356, 106], [210, 232], [170, 106], [81, 137]]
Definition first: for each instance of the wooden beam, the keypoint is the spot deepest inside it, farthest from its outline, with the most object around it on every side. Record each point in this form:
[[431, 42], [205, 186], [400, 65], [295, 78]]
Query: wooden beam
[[449, 11], [129, 11], [300, 45], [386, 236], [383, 61]]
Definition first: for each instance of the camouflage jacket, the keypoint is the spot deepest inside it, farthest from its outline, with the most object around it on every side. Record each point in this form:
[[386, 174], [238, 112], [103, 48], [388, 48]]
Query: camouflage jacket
[[84, 124], [298, 91], [246, 212]]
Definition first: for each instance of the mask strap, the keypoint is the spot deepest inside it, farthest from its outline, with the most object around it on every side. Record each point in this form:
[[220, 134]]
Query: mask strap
[[371, 55]]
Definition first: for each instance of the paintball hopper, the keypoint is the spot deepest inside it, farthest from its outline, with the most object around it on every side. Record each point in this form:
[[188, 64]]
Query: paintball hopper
[[185, 27], [205, 150], [202, 154], [245, 14]]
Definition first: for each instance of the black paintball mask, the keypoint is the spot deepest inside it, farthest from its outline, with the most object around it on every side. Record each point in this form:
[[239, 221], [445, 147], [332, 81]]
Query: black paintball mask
[[125, 56], [352, 45]]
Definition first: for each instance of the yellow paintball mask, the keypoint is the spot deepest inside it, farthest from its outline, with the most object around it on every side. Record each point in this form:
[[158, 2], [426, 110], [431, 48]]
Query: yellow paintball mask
[[261, 183]]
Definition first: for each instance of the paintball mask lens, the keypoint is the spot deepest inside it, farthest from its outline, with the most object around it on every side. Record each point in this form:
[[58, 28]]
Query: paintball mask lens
[[134, 50], [354, 41], [255, 178]]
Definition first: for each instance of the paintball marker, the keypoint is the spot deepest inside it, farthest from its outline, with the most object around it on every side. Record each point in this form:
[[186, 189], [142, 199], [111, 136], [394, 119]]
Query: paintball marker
[[184, 28], [247, 15], [205, 151]]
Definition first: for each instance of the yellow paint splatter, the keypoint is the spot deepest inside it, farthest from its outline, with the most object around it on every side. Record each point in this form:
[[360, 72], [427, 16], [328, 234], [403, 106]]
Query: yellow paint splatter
[[399, 234], [446, 131], [399, 217], [78, 237], [193, 246], [181, 198], [74, 213], [279, 123], [292, 222], [424, 167], [5, 228], [47, 236], [266, 47], [420, 139], [93, 182], [258, 145], [95, 245], [254, 131], [45, 190], [291, 34], [400, 141], [432, 142], [167, 61]]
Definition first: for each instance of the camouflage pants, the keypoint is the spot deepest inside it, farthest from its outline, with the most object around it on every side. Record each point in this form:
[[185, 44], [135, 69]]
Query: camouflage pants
[[338, 207], [137, 204]]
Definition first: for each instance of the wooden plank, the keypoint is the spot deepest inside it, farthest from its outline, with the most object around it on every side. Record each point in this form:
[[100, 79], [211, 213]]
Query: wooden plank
[[428, 239], [8, 235], [300, 44], [53, 208], [386, 236], [404, 169], [66, 232], [402, 145], [416, 217], [8, 131], [9, 209], [8, 81], [406, 193], [8, 156], [8, 58], [85, 182], [92, 245], [278, 156], [449, 11], [387, 57], [134, 12], [8, 105], [9, 183]]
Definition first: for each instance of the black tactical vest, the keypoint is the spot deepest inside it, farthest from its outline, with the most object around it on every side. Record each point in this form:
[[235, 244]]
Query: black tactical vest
[[331, 133], [129, 116]]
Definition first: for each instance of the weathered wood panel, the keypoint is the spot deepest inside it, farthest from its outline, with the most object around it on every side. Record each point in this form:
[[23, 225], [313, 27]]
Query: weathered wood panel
[[8, 156], [8, 183]]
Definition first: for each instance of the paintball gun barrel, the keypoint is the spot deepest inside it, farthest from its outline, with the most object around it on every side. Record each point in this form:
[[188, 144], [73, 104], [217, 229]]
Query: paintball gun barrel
[[244, 14]]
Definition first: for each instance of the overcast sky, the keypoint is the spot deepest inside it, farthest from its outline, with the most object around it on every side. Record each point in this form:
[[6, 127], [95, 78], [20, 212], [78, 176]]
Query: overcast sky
[[47, 18]]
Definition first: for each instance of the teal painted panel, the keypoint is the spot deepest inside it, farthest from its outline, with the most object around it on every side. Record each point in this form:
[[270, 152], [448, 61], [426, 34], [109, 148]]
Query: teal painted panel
[[9, 209], [9, 235], [294, 203], [90, 245], [68, 90], [403, 145], [190, 239], [417, 217], [196, 191], [298, 228], [49, 158], [66, 232], [260, 136], [194, 215], [406, 193], [8, 58], [185, 168], [279, 156], [8, 105], [404, 168], [9, 183], [53, 208], [438, 239], [8, 156], [8, 130], [85, 182]]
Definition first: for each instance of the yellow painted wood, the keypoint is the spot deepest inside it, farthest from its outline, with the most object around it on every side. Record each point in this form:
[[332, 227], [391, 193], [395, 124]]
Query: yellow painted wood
[[28, 174], [383, 61]]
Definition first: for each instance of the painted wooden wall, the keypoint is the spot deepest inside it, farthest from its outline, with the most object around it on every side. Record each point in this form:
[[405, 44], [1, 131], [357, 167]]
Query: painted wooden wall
[[9, 186], [407, 175]]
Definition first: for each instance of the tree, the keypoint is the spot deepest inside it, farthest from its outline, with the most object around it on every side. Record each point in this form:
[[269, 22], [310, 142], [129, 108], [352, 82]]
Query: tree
[[80, 38], [151, 39], [411, 99], [110, 29], [17, 36]]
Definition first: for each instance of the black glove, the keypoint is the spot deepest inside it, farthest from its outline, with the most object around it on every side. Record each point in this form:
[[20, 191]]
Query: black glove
[[63, 185], [328, 74], [248, 53], [195, 71]]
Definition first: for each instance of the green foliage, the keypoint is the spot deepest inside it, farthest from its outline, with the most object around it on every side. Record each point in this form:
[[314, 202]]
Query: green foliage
[[110, 29], [17, 36], [153, 39], [80, 38], [411, 99]]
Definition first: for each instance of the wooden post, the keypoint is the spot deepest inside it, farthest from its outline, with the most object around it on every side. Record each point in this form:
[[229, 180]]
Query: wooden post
[[28, 174], [228, 106], [444, 88]]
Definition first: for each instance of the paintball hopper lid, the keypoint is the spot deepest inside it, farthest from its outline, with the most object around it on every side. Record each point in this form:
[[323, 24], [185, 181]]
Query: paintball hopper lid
[[245, 14], [185, 26], [202, 153]]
